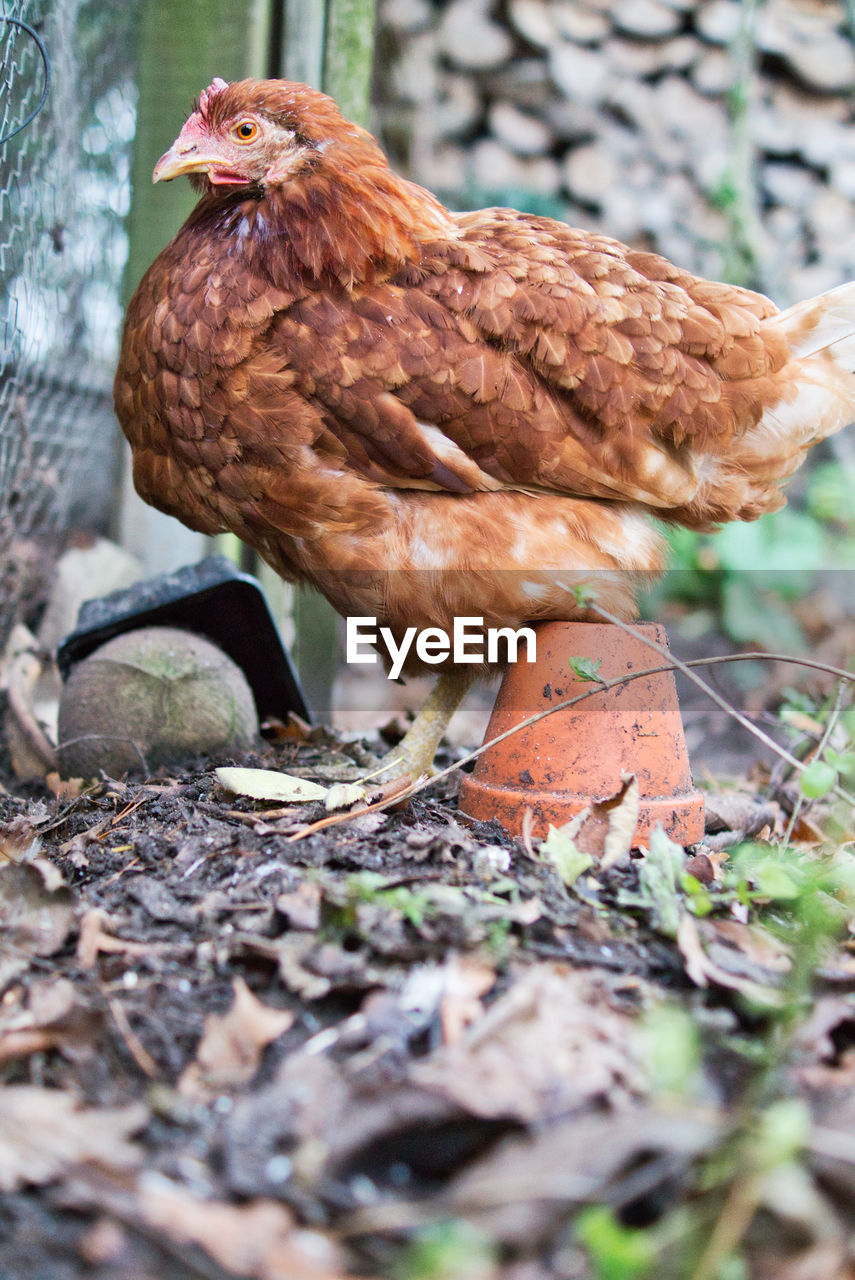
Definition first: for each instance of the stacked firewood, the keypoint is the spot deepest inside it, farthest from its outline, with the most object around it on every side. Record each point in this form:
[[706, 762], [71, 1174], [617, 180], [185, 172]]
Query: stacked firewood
[[717, 132]]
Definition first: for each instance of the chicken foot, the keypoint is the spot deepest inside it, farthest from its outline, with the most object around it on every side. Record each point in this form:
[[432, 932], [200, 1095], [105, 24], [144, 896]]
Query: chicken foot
[[415, 752]]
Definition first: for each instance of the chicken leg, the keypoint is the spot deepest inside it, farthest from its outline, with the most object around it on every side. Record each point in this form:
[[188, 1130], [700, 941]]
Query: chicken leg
[[415, 752]]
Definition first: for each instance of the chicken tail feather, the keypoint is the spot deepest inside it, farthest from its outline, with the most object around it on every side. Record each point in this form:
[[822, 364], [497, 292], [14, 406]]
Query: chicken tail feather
[[810, 397], [817, 385], [824, 323]]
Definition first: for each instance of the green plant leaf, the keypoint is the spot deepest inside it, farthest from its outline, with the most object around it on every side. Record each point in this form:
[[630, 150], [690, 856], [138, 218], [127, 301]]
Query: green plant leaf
[[672, 1051], [783, 1130], [774, 879], [752, 616], [617, 1252], [817, 779], [451, 1250], [660, 875], [829, 493], [586, 668], [564, 856], [772, 548], [659, 879], [842, 761], [847, 719]]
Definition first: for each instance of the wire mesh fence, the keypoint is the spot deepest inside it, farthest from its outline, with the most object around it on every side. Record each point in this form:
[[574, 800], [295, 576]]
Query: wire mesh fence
[[64, 190]]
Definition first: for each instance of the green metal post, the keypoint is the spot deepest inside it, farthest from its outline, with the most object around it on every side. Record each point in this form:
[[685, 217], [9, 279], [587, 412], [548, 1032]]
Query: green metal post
[[182, 47], [349, 56], [326, 43], [330, 45]]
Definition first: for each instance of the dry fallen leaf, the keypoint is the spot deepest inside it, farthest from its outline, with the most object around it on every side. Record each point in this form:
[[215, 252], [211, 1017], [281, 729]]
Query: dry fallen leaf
[[757, 945], [522, 1190], [342, 795], [740, 811], [94, 939], [703, 969], [65, 788], [31, 751], [621, 813], [44, 1015], [467, 979], [295, 729], [18, 841], [600, 836], [448, 994], [36, 914], [829, 1025], [550, 1044], [824, 1260], [231, 1047], [302, 906], [286, 788], [269, 784], [526, 833], [259, 1239], [45, 1131], [701, 867]]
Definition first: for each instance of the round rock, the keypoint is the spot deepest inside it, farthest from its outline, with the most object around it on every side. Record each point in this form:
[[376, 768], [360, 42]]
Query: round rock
[[152, 697]]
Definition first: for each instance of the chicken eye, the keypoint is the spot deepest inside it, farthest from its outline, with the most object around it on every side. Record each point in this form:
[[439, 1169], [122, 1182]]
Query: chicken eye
[[246, 131]]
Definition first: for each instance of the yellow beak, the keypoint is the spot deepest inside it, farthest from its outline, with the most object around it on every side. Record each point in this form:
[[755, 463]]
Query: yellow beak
[[181, 158]]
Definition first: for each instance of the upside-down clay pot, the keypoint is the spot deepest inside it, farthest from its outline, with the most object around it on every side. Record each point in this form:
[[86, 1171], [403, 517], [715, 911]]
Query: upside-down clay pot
[[566, 760]]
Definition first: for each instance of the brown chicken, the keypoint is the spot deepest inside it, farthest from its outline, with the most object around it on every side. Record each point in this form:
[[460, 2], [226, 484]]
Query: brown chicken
[[431, 414]]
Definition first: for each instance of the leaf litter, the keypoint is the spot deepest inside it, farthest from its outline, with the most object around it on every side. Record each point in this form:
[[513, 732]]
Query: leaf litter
[[402, 1046]]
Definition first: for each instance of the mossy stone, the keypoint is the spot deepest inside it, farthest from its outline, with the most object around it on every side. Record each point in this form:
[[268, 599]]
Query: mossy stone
[[149, 698]]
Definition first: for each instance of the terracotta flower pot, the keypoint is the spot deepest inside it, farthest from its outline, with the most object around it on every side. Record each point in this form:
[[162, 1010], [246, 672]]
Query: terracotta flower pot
[[561, 763]]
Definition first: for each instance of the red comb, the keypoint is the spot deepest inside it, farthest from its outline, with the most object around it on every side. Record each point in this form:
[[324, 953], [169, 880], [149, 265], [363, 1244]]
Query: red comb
[[216, 86]]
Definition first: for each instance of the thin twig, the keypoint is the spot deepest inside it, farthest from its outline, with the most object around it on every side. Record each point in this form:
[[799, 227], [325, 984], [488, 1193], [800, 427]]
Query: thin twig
[[720, 701], [761, 655], [735, 1218], [815, 755], [601, 686], [134, 1045], [716, 697]]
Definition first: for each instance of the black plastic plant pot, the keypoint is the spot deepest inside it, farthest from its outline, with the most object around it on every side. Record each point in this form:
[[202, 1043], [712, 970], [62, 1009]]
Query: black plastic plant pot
[[211, 599]]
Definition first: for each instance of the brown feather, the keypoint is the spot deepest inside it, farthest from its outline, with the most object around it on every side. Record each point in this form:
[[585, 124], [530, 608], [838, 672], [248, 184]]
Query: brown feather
[[429, 413]]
